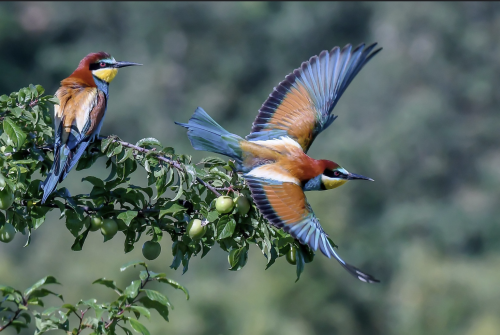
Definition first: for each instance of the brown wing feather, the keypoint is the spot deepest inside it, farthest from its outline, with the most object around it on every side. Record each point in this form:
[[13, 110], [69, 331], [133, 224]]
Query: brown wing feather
[[76, 105], [97, 113]]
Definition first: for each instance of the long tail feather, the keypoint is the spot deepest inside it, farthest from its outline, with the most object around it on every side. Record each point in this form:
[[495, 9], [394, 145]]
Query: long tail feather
[[327, 248], [64, 160], [207, 135]]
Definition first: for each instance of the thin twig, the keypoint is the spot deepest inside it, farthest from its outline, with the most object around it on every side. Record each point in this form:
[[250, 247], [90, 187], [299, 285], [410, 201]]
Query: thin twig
[[172, 163]]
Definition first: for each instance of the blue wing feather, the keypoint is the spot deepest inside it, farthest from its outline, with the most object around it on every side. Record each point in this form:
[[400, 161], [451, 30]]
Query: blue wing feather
[[307, 230], [325, 78]]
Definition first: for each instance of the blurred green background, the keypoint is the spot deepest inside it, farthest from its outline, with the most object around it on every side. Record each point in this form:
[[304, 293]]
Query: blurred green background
[[421, 118]]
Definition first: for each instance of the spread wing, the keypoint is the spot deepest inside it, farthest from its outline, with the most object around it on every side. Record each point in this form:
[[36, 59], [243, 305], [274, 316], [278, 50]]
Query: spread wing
[[301, 106], [77, 120], [283, 203]]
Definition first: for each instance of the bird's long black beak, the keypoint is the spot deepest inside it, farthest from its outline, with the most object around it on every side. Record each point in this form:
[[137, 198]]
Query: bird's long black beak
[[124, 64], [353, 176]]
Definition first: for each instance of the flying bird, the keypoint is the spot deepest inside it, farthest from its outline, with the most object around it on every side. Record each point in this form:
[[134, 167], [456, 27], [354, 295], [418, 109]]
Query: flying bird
[[78, 118], [273, 157]]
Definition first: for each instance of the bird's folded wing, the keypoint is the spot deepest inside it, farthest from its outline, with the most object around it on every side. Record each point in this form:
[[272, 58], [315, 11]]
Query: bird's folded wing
[[281, 200], [79, 114], [300, 106], [76, 119]]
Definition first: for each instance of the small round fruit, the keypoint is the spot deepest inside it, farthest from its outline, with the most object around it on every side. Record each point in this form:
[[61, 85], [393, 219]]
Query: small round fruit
[[109, 227], [224, 204], [7, 233], [242, 204], [95, 223], [6, 198], [47, 119], [151, 250], [195, 230], [30, 204], [291, 256]]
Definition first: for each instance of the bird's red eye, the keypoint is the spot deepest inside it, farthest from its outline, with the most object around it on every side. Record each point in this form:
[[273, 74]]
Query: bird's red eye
[[336, 173], [102, 64]]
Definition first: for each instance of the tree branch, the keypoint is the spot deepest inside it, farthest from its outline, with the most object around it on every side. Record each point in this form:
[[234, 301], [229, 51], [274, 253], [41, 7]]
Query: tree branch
[[172, 163]]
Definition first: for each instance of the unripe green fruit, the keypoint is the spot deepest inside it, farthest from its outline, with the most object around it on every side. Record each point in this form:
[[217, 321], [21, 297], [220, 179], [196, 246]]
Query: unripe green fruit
[[7, 233], [242, 204], [95, 223], [195, 230], [224, 204], [151, 250], [47, 119], [109, 227], [291, 256], [6, 198]]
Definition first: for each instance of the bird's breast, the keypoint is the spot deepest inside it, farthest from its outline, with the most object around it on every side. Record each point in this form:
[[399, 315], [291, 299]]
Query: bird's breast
[[285, 152]]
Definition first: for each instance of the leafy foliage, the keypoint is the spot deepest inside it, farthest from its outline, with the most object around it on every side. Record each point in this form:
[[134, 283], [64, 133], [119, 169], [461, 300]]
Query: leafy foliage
[[133, 302], [177, 191]]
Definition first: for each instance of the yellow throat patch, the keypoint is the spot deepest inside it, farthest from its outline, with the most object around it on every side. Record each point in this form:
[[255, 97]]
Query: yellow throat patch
[[105, 74], [332, 182]]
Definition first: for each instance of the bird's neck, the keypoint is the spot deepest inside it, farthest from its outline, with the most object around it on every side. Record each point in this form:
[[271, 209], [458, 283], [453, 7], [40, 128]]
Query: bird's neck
[[102, 85], [313, 184]]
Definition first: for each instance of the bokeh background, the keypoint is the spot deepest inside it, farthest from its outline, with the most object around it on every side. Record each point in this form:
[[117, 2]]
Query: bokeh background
[[422, 119]]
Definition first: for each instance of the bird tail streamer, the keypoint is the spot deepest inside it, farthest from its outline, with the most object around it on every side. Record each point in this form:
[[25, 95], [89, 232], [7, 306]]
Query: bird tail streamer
[[207, 135]]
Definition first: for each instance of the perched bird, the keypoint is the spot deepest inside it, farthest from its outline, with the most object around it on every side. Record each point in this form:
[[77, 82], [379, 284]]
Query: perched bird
[[78, 118], [273, 156]]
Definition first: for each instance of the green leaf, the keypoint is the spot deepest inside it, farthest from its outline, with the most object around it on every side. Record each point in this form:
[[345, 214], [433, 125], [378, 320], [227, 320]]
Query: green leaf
[[212, 216], [225, 227], [156, 296], [40, 89], [44, 281], [108, 283], [7, 289], [212, 161], [50, 310], [171, 208], [132, 263], [148, 141], [150, 304], [238, 259], [138, 327], [131, 291], [191, 173], [141, 310], [300, 263], [179, 190], [79, 241], [105, 144], [125, 330], [69, 307], [174, 284], [94, 181], [15, 133], [127, 216], [40, 293], [26, 317], [54, 100]]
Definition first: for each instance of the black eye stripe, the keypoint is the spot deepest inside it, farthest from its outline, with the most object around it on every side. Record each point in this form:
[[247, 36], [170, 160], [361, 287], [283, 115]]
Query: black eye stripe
[[333, 173], [96, 66]]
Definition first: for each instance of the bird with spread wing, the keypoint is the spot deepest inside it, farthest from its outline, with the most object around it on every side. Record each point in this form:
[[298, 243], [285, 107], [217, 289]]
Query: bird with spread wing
[[78, 118], [273, 156]]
